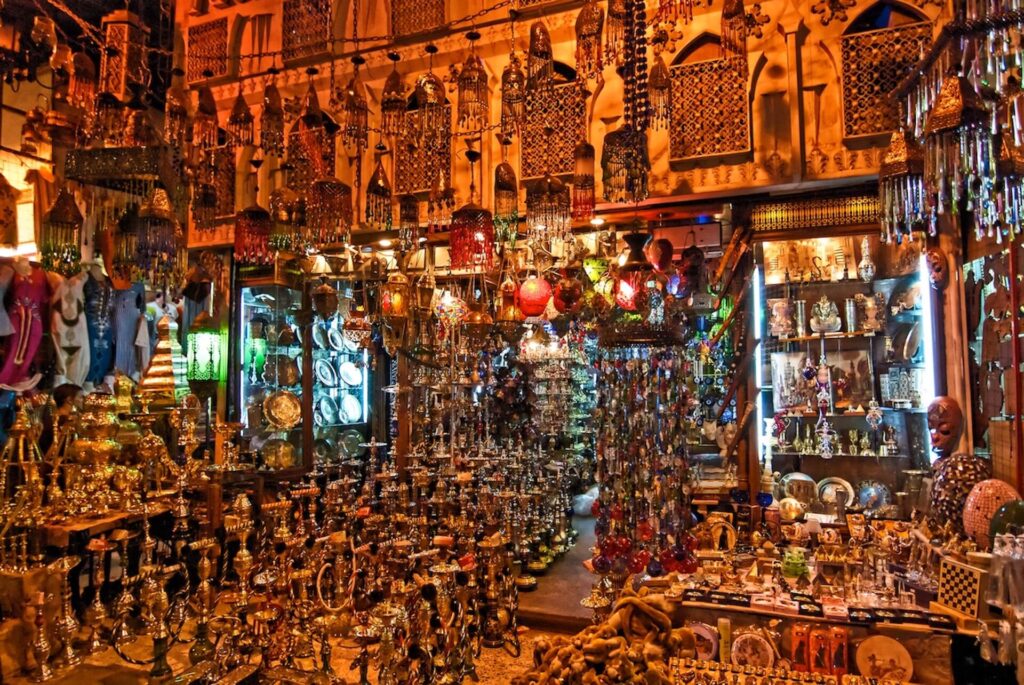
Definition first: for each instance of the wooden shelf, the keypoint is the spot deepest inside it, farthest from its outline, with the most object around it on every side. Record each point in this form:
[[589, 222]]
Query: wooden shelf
[[841, 335]]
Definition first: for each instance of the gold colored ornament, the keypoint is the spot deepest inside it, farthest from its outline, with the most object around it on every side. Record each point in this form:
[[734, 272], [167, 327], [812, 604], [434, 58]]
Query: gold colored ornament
[[393, 104], [513, 97], [540, 66], [272, 121], [589, 48], [378, 198], [240, 122], [164, 380], [472, 88]]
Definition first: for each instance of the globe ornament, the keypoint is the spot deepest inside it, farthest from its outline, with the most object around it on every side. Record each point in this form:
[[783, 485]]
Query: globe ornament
[[984, 500], [1009, 518], [955, 476]]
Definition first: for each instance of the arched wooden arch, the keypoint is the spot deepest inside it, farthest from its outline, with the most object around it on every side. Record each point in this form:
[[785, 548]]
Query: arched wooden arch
[[705, 46]]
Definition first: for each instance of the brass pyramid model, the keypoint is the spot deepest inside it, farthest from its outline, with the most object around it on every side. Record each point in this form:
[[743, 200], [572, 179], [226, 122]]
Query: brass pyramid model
[[165, 381]]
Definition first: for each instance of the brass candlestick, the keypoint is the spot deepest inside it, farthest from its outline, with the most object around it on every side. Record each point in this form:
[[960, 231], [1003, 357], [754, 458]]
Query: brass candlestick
[[40, 644], [67, 625]]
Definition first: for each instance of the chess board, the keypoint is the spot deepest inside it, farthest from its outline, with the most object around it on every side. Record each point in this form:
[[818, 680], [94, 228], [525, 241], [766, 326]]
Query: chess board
[[961, 588]]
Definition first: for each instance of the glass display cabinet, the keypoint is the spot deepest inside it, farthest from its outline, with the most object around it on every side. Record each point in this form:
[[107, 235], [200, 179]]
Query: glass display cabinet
[[844, 369]]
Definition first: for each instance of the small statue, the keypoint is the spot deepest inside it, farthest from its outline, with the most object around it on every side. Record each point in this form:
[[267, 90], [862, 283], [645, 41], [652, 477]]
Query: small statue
[[866, 267], [825, 316]]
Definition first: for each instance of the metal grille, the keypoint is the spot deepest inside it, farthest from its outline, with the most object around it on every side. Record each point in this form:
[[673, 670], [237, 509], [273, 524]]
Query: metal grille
[[207, 49], [710, 108], [827, 212], [874, 63], [224, 182], [409, 17], [562, 110], [307, 27], [417, 168]]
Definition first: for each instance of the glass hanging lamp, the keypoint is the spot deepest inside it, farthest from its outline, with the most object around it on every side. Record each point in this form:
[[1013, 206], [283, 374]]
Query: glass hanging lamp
[[472, 89], [378, 198], [430, 106], [205, 123], [240, 122], [393, 104], [253, 228], [548, 209], [583, 182], [540, 66], [513, 97], [355, 111], [272, 119], [408, 221], [589, 46], [328, 212], [472, 228]]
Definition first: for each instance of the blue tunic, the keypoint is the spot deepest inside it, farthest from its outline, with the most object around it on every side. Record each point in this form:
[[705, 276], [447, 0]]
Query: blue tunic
[[99, 319]]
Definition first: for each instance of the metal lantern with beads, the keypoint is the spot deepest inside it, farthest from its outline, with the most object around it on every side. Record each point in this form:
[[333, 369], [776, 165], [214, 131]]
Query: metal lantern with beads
[[253, 226], [272, 122], [513, 97], [959, 160], [589, 37], [583, 182], [355, 113], [328, 212], [548, 209], [431, 113], [61, 234], [393, 104], [506, 204], [625, 166], [901, 186], [659, 88], [540, 65], [177, 111], [472, 89], [378, 198], [108, 120], [240, 122], [204, 206], [440, 204], [472, 237], [205, 123], [157, 240], [408, 221]]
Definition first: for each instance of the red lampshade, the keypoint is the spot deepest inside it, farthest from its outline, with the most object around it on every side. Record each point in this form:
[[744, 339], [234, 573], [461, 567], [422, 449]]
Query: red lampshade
[[568, 294], [534, 294]]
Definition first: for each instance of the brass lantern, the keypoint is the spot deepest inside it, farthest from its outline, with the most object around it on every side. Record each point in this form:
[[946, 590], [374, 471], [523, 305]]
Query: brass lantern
[[509, 318]]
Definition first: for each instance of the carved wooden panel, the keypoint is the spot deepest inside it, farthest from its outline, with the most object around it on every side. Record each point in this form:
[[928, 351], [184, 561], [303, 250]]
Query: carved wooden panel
[[307, 28], [409, 17], [710, 108], [125, 63], [563, 110], [874, 62], [821, 212], [417, 168], [207, 49]]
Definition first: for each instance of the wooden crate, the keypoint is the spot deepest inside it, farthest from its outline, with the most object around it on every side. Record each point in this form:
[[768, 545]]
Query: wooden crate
[[1000, 442]]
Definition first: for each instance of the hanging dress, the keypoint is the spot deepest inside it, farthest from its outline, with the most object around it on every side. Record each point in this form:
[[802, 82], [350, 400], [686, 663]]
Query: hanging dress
[[70, 332], [127, 314], [99, 315], [6, 275], [28, 297]]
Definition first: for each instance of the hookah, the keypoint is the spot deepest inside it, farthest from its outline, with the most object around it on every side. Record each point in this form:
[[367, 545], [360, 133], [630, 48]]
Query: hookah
[[67, 624], [202, 649]]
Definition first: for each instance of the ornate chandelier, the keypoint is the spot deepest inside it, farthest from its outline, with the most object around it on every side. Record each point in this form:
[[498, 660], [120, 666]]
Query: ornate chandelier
[[472, 87], [392, 102], [548, 209], [901, 186], [589, 50]]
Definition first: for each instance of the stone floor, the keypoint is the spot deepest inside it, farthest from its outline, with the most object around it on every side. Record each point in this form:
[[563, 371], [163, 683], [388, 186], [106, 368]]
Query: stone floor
[[555, 604]]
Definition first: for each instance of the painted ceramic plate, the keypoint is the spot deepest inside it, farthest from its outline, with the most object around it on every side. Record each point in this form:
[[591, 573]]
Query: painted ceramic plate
[[336, 339], [324, 451], [326, 410], [871, 495], [351, 409], [883, 658], [828, 488], [351, 375], [350, 345], [320, 337], [799, 486], [707, 640], [325, 373], [351, 441], [750, 649], [282, 409]]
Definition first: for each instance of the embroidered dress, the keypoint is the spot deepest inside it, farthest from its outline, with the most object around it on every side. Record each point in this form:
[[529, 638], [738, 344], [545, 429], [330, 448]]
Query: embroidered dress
[[28, 295], [70, 332], [99, 315], [127, 315]]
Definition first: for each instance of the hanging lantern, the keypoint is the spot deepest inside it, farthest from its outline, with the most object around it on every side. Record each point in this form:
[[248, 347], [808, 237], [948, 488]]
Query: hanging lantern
[[540, 66], [633, 273], [506, 204], [659, 254], [177, 111], [203, 352], [204, 206], [1010, 189], [314, 132], [394, 301], [328, 212], [734, 28], [513, 97], [615, 32], [284, 206], [408, 221], [659, 87], [355, 114], [205, 124], [625, 166], [901, 186], [138, 128], [61, 234], [589, 30], [82, 82], [126, 247], [392, 102], [472, 237], [240, 122], [959, 159], [253, 226], [548, 209], [430, 107], [378, 198], [450, 311], [583, 182], [595, 268], [324, 297], [108, 120], [272, 121], [567, 295], [440, 205], [157, 240], [476, 326], [472, 87], [509, 317], [534, 294]]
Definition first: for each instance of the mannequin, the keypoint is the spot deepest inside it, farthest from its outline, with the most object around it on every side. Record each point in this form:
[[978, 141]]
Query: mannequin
[[99, 311], [29, 293], [69, 330], [157, 309], [128, 318], [954, 473]]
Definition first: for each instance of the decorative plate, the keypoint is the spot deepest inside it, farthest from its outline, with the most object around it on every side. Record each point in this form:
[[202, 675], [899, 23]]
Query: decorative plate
[[883, 658], [350, 444], [872, 495], [326, 410], [336, 339], [320, 337], [351, 409], [282, 409], [828, 489], [351, 375], [750, 649], [281, 369], [278, 454], [325, 373], [350, 345], [324, 451], [707, 640], [799, 486]]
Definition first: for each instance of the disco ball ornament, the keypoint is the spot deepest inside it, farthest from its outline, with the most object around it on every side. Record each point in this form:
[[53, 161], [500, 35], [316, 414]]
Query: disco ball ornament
[[955, 476], [982, 503], [1009, 518]]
